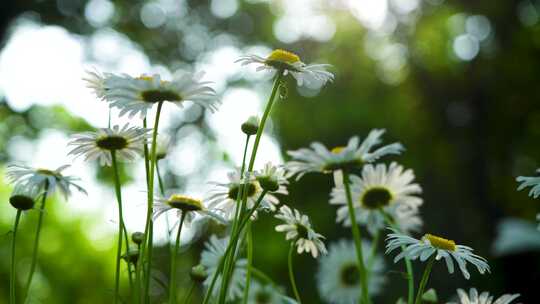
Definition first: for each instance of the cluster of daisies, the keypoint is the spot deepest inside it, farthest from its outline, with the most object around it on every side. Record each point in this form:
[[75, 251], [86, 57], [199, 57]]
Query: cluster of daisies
[[370, 196]]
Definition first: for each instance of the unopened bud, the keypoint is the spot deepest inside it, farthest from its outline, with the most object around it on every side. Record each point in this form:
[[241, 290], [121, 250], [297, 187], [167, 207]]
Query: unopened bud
[[251, 126], [198, 273], [137, 237]]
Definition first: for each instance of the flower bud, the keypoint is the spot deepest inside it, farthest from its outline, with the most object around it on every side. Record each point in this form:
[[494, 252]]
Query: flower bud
[[268, 183], [23, 198], [198, 273], [137, 237], [132, 256], [251, 126]]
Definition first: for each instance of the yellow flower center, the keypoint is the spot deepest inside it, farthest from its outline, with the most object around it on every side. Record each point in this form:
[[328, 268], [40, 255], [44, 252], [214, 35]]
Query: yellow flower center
[[145, 77], [440, 243], [283, 56], [337, 150], [185, 203]]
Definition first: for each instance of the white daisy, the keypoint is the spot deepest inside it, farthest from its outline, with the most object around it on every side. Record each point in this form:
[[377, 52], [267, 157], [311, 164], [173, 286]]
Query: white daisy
[[287, 62], [298, 229], [380, 189], [338, 279], [23, 197], [443, 248], [354, 155], [95, 81], [126, 141], [214, 250], [184, 204], [272, 178], [137, 95], [266, 294], [530, 181], [39, 178], [223, 196], [484, 298]]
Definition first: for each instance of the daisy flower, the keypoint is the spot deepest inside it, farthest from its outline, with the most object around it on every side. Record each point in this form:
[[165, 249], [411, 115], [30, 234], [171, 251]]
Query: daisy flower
[[210, 257], [429, 245], [290, 63], [380, 189], [127, 142], [338, 279], [484, 298], [354, 155], [223, 196], [183, 204], [266, 294], [24, 198], [41, 178], [137, 95], [272, 178], [530, 181], [298, 229]]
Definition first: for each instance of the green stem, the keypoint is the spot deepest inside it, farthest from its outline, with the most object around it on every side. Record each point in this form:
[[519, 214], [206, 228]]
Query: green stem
[[172, 284], [162, 192], [148, 230], [121, 228], [249, 262], [423, 282], [291, 273], [36, 240], [373, 252], [357, 241], [408, 264], [190, 292], [243, 222], [12, 279], [279, 75]]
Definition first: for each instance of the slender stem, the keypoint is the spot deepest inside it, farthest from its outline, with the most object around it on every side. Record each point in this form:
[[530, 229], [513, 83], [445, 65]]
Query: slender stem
[[189, 293], [167, 224], [148, 230], [12, 279], [279, 75], [243, 222], [373, 252], [121, 228], [424, 280], [172, 284], [408, 264], [291, 273], [357, 241], [36, 240], [249, 237], [239, 209]]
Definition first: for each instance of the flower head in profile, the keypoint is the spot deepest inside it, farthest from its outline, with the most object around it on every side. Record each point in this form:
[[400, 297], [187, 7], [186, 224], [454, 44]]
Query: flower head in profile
[[24, 198], [484, 298], [354, 155], [381, 189], [184, 204], [430, 245], [127, 142], [137, 95], [272, 178], [338, 278], [223, 196], [530, 181], [214, 250], [290, 63], [297, 228], [43, 179]]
